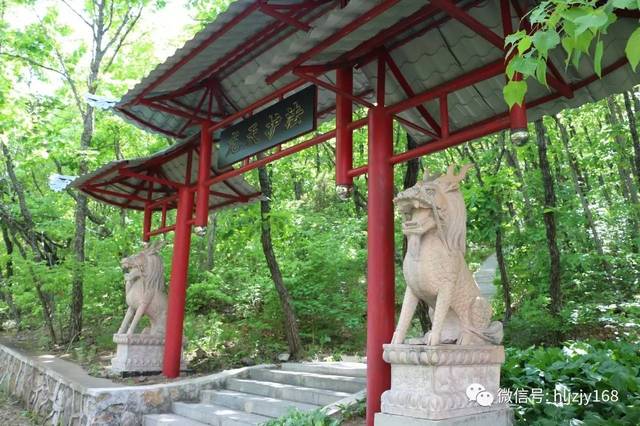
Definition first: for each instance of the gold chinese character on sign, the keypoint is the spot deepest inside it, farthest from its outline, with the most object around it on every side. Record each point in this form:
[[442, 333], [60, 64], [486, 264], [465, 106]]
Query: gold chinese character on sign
[[234, 142], [272, 124], [252, 134], [294, 115]]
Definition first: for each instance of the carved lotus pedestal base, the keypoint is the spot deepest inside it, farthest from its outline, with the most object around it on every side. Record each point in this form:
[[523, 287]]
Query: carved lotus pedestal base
[[139, 354], [430, 386]]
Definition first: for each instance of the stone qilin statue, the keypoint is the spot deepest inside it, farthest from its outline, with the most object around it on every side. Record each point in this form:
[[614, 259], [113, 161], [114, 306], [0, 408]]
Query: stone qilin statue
[[144, 281], [144, 284], [435, 269]]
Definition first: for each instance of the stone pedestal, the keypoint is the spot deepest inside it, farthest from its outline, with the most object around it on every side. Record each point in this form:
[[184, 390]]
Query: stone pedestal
[[430, 386], [139, 354]]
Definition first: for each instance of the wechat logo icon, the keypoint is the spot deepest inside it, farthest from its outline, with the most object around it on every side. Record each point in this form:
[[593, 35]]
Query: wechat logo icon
[[476, 392]]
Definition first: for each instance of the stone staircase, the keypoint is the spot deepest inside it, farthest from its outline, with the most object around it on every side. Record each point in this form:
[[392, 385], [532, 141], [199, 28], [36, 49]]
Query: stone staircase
[[268, 393]]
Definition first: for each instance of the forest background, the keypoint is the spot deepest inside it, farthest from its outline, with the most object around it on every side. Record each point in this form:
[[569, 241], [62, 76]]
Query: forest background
[[561, 213]]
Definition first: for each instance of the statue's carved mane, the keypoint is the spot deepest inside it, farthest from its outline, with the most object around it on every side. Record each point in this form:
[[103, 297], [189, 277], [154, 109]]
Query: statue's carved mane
[[151, 267], [153, 272], [455, 231], [449, 208]]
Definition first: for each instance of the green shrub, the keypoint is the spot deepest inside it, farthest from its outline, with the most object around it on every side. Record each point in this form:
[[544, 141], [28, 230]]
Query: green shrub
[[584, 367], [299, 418]]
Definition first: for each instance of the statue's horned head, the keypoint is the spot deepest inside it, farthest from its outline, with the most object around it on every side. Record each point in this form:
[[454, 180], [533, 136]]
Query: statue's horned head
[[435, 203], [138, 260], [146, 266]]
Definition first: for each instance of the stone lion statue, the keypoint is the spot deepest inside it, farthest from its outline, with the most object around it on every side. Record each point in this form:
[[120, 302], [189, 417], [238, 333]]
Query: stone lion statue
[[144, 279], [435, 269]]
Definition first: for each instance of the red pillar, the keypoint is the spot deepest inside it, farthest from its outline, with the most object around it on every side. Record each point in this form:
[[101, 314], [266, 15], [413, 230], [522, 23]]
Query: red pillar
[[204, 164], [380, 262], [344, 136], [178, 284], [146, 224]]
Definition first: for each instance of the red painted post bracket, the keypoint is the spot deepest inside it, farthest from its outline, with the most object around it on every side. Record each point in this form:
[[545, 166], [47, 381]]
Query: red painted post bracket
[[204, 166], [344, 136], [146, 224], [178, 284]]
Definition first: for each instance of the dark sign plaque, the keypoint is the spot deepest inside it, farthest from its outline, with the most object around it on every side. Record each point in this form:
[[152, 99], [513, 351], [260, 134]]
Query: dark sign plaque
[[283, 121]]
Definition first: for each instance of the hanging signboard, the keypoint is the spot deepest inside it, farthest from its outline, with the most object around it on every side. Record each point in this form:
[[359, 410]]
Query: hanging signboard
[[283, 121]]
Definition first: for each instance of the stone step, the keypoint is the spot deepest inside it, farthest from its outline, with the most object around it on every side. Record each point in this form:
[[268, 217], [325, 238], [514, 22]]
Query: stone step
[[351, 369], [216, 415], [289, 392], [169, 419], [254, 404], [310, 380]]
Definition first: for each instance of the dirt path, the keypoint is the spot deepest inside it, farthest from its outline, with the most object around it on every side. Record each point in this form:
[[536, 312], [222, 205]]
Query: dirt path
[[12, 413]]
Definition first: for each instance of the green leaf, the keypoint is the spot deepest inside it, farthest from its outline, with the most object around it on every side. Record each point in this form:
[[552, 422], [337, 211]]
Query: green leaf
[[525, 65], [591, 20], [633, 49], [541, 73], [514, 92], [524, 44], [569, 45], [545, 41], [514, 38], [583, 41], [597, 58], [624, 4]]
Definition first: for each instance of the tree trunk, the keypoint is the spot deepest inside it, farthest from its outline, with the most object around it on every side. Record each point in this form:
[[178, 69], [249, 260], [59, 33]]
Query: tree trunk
[[512, 160], [633, 129], [211, 242], [504, 277], [77, 282], [290, 320], [555, 290], [7, 295], [564, 137], [622, 161], [31, 238]]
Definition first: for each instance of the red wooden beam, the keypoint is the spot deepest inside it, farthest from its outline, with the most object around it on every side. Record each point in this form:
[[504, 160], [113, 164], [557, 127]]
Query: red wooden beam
[[266, 34], [347, 29], [414, 126], [334, 89], [195, 113], [429, 27], [271, 11], [251, 108], [131, 173], [203, 45], [125, 196], [344, 136], [204, 164], [169, 110], [480, 74], [408, 90], [469, 21], [444, 116], [468, 133], [162, 230], [387, 34], [148, 124], [108, 201]]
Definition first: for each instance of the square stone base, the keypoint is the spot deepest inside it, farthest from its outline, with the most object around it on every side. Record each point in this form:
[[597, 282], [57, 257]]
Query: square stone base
[[500, 417], [431, 382], [139, 354]]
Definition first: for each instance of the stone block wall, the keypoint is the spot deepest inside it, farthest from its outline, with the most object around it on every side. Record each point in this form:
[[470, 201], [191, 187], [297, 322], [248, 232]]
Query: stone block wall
[[57, 400]]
